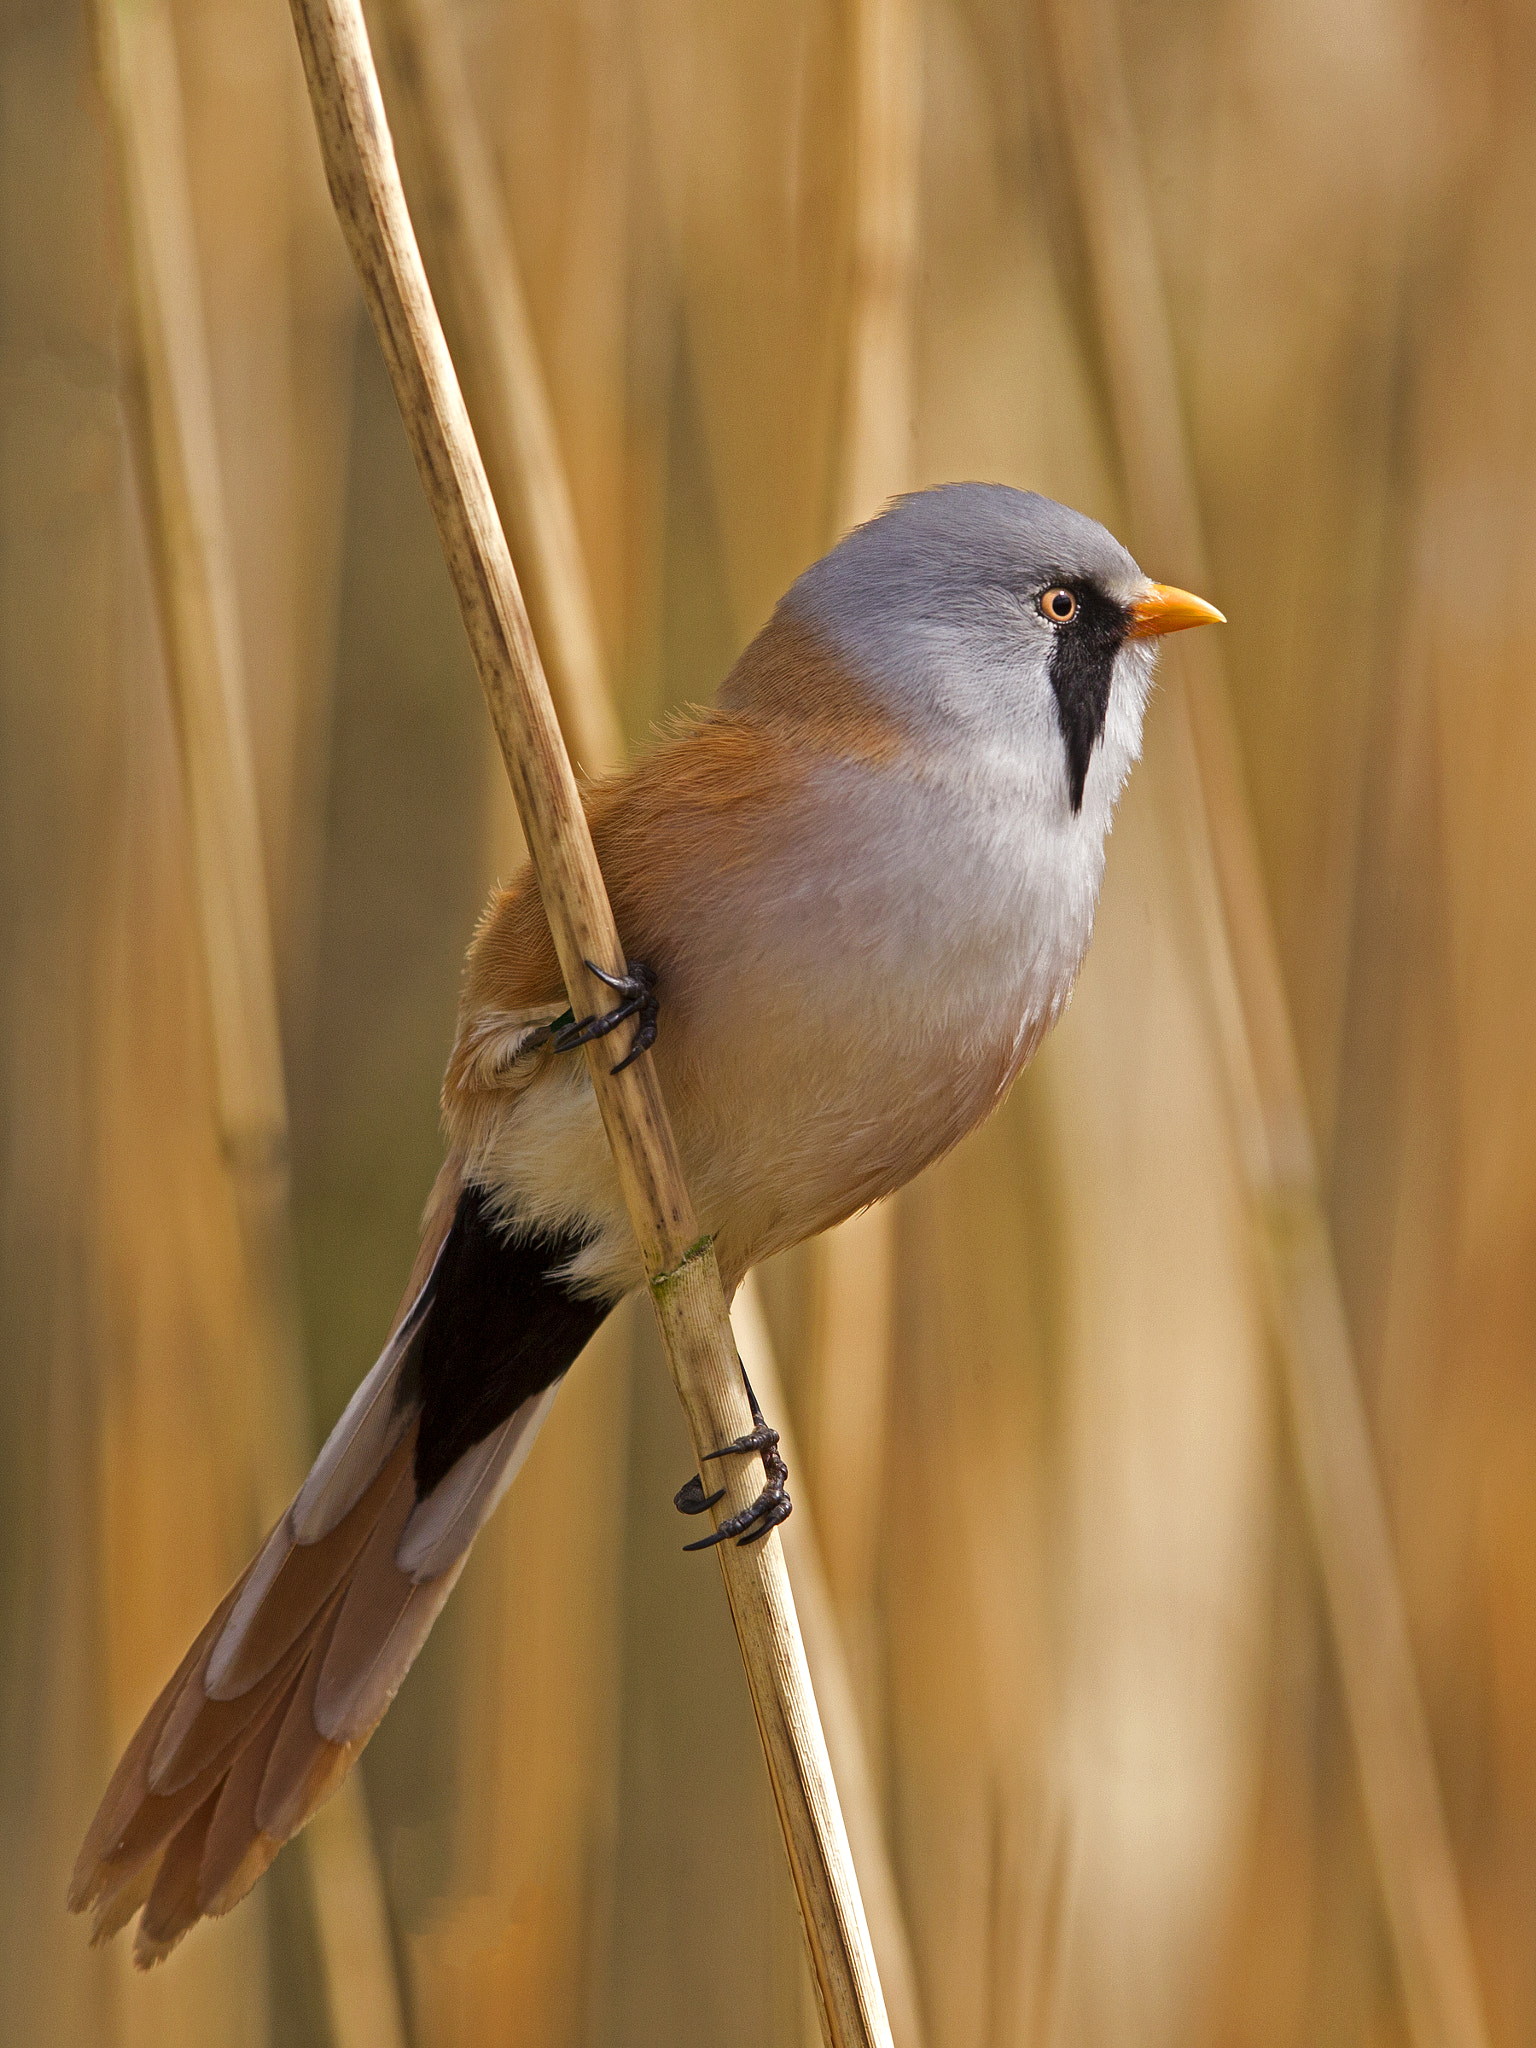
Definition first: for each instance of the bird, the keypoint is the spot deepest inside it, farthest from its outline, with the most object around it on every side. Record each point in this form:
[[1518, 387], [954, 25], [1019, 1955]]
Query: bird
[[854, 894]]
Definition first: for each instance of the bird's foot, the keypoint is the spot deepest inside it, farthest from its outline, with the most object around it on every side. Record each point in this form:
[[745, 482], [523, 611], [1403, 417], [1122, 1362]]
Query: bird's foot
[[772, 1506], [637, 985]]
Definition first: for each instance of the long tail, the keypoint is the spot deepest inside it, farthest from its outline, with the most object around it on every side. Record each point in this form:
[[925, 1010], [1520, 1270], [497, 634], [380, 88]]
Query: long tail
[[295, 1668]]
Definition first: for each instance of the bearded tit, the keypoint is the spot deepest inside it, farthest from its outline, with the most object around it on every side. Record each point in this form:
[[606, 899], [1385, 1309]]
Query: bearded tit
[[856, 893]]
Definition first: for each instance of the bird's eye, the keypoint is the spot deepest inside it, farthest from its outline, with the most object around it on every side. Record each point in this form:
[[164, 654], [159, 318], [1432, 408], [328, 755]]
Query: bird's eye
[[1059, 606]]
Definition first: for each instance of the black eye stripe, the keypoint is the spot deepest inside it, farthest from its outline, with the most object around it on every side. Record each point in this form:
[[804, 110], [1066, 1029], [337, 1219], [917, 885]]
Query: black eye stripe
[[1082, 664]]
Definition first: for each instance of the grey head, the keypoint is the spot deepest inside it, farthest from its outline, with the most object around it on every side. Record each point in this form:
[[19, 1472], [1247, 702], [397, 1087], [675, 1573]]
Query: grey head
[[981, 614]]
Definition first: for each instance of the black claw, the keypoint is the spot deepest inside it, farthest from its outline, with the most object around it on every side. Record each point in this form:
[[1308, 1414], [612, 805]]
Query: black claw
[[752, 1524], [760, 1439], [638, 988], [693, 1500], [773, 1513], [773, 1505], [645, 1038]]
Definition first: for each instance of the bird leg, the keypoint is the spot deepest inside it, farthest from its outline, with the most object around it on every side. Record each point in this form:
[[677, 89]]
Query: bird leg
[[772, 1506], [638, 988]]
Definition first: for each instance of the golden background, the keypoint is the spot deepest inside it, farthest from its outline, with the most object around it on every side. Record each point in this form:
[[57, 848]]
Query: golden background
[[1074, 1564]]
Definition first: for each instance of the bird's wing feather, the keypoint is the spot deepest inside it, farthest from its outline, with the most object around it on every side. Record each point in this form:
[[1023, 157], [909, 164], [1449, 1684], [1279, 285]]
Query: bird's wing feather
[[703, 805], [129, 1786], [369, 1427], [203, 1728], [262, 1629], [305, 1767], [442, 1526], [661, 829], [297, 1664], [237, 1851], [382, 1622], [172, 1904]]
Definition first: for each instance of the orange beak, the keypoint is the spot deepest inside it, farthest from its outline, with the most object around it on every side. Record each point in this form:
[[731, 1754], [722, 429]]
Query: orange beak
[[1162, 609]]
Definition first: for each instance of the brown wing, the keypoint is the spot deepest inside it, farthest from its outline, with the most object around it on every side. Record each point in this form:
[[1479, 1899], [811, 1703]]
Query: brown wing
[[698, 807]]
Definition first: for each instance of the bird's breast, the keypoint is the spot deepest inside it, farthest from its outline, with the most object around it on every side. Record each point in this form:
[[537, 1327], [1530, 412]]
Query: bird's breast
[[877, 978]]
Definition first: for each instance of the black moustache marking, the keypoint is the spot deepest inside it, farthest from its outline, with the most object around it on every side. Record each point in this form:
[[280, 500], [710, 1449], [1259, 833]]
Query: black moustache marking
[[498, 1330], [1082, 664]]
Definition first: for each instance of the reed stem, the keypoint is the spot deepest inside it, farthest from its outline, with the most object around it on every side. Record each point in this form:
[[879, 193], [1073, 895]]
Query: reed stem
[[836, 1693], [685, 1281]]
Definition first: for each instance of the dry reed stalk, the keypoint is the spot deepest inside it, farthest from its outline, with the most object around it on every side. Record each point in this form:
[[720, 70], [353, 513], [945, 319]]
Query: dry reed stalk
[[852, 1330], [193, 562], [1415, 1865], [1297, 415], [1303, 172], [175, 1481], [836, 1693], [177, 457], [84, 1239], [685, 1281]]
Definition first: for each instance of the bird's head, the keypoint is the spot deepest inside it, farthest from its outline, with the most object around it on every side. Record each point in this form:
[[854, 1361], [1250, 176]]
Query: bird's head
[[979, 616]]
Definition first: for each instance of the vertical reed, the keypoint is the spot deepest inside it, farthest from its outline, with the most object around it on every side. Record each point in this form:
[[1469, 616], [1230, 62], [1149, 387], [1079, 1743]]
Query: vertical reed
[[837, 1695]]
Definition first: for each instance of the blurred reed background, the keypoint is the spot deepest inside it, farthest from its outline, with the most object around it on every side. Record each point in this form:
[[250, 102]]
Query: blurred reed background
[[1042, 1434]]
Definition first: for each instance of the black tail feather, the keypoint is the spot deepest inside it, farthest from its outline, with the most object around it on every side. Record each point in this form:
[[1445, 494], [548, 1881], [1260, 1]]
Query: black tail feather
[[499, 1329]]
